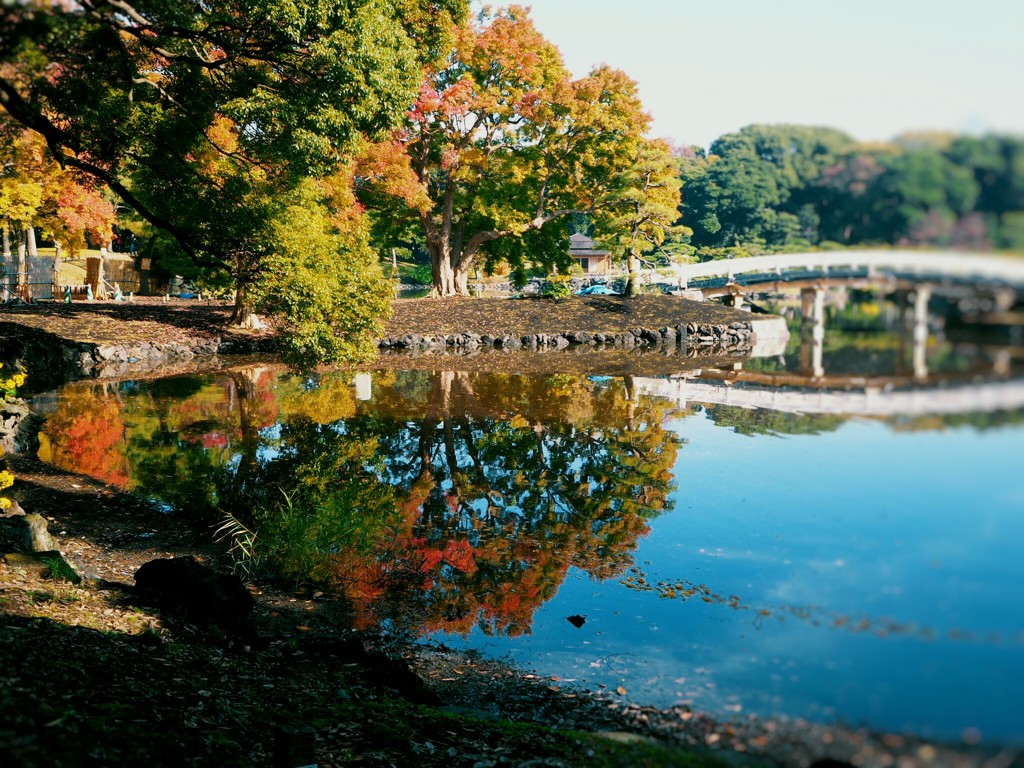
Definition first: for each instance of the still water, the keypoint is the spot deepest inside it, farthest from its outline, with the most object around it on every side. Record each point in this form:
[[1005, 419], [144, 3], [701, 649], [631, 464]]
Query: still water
[[862, 569]]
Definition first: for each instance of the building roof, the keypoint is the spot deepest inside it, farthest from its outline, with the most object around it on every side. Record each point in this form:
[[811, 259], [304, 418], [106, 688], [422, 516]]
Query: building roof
[[581, 245]]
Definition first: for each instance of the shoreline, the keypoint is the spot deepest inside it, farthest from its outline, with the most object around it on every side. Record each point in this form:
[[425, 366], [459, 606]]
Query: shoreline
[[106, 340]]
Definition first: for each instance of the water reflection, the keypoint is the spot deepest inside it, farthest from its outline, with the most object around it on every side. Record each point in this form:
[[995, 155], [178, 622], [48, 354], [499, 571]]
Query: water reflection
[[843, 336], [448, 501]]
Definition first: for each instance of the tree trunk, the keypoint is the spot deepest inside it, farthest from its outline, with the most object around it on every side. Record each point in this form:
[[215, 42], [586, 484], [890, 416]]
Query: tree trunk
[[244, 314], [633, 277], [462, 280], [451, 278], [5, 287], [22, 264], [30, 240], [56, 268], [101, 292], [443, 273]]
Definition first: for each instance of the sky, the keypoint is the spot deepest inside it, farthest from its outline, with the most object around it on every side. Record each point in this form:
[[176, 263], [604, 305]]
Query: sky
[[873, 68]]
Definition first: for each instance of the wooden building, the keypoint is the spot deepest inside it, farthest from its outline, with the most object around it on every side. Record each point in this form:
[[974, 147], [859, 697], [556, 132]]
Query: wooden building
[[590, 258]]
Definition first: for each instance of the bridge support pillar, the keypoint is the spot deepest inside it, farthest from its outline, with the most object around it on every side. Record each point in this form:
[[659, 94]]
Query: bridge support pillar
[[812, 331], [921, 297]]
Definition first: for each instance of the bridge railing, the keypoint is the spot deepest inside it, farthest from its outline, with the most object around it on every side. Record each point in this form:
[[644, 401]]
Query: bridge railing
[[950, 263]]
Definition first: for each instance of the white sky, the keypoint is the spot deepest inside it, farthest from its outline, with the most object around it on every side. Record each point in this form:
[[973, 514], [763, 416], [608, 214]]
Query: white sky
[[873, 68]]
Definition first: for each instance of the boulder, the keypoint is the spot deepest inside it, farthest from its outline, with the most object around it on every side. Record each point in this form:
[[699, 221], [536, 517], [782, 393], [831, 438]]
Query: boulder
[[36, 537], [196, 593]]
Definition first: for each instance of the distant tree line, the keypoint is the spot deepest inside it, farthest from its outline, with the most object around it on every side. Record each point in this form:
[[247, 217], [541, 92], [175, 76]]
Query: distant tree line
[[786, 187]]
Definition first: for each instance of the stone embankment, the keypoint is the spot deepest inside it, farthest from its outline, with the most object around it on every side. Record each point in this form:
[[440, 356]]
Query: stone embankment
[[19, 427], [53, 360], [104, 361], [735, 338]]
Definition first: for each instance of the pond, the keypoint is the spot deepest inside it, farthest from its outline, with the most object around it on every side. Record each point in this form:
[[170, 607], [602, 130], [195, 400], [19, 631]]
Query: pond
[[838, 554]]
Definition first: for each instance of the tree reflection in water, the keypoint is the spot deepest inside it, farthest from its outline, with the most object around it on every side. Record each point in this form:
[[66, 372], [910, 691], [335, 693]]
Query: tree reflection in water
[[451, 500]]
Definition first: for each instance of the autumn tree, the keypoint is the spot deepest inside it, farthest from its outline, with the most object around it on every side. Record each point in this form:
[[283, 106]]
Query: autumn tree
[[217, 121], [38, 196], [503, 143]]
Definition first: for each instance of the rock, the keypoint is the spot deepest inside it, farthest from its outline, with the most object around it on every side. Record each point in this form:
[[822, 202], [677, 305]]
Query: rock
[[560, 342], [36, 537], [14, 510], [197, 593], [106, 352]]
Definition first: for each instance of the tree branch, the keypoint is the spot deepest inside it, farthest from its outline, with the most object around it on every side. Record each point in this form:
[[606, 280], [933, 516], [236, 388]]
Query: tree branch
[[58, 141]]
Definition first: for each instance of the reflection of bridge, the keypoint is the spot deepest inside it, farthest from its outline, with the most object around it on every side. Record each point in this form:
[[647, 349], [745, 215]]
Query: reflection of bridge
[[965, 397], [851, 264]]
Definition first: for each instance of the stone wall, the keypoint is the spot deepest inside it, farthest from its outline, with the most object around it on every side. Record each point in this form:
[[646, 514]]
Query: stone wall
[[19, 427], [736, 337], [52, 360]]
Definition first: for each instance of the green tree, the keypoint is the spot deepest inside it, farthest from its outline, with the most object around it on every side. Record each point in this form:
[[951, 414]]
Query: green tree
[[640, 213], [997, 163], [209, 118], [757, 184]]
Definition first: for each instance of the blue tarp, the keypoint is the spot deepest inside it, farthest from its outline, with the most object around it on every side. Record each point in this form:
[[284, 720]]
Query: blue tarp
[[596, 290]]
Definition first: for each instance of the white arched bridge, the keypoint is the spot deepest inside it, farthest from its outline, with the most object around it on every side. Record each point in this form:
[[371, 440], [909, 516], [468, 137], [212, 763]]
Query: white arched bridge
[[851, 264]]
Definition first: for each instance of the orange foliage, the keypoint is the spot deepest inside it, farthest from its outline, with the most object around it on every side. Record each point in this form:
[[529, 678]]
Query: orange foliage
[[387, 166], [89, 438]]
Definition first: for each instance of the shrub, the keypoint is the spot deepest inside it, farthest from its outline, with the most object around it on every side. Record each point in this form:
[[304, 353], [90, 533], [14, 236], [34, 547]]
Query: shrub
[[557, 287], [8, 389]]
